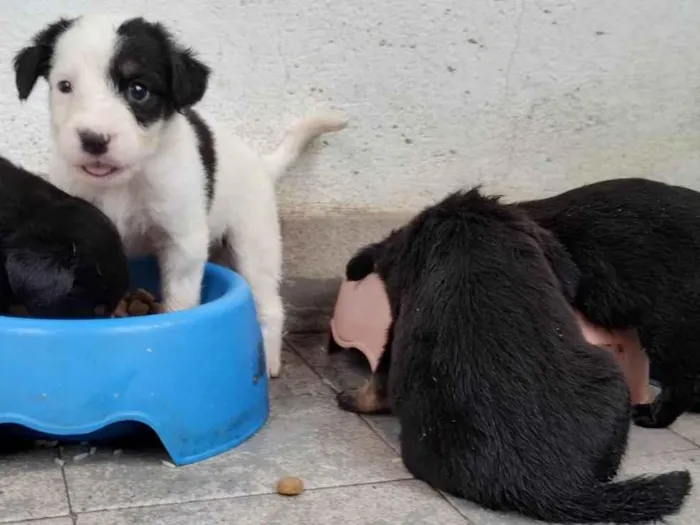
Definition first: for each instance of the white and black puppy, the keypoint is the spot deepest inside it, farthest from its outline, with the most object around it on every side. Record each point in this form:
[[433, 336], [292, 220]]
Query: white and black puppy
[[126, 139]]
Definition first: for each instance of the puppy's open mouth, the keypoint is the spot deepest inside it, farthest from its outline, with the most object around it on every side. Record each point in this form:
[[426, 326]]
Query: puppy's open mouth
[[100, 169]]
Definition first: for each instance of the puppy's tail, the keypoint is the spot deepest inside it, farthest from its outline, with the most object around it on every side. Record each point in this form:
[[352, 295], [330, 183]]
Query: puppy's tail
[[644, 499], [296, 140]]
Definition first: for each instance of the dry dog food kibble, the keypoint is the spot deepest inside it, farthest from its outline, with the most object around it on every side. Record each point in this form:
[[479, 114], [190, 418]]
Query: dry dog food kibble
[[134, 304], [137, 304], [290, 486]]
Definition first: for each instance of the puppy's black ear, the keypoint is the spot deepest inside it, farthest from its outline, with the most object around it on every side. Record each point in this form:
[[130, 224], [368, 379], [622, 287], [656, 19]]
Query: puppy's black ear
[[36, 280], [361, 264], [189, 78], [34, 61]]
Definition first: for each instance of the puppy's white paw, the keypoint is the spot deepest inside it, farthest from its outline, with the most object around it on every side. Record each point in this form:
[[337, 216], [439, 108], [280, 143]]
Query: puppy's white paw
[[177, 304], [182, 294], [274, 365]]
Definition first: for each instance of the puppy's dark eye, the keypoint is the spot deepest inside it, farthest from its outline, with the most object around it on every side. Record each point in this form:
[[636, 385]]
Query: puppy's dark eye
[[137, 92], [64, 86]]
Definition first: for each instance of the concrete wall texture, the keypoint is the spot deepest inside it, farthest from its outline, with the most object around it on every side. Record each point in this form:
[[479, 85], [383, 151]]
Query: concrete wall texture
[[528, 97]]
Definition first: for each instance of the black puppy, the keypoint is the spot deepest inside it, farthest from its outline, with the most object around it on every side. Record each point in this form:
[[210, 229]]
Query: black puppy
[[637, 245], [500, 398], [61, 257]]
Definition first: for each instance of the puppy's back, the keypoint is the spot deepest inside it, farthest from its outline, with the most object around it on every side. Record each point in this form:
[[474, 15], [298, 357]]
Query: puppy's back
[[492, 381], [626, 236]]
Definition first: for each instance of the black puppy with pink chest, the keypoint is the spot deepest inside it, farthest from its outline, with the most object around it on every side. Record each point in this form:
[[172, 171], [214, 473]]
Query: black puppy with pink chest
[[636, 243], [61, 256]]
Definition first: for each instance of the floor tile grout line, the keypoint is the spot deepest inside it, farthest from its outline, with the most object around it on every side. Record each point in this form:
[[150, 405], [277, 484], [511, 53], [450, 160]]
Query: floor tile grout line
[[310, 366], [695, 445], [323, 380], [233, 498], [666, 452], [35, 520], [449, 502], [307, 332], [73, 516]]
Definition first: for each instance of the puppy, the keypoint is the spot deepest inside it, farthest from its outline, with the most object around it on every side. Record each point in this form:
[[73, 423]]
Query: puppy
[[500, 398], [61, 256], [125, 137], [637, 245]]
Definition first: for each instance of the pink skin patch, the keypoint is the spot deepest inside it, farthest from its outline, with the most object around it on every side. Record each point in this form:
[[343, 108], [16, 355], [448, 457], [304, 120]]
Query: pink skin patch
[[362, 317], [628, 351]]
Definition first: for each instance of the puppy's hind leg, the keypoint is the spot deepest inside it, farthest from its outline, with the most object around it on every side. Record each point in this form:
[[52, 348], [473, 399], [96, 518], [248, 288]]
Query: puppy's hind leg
[[255, 244]]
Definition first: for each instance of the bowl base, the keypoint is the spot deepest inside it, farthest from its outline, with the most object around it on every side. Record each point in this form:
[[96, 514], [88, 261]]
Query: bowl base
[[140, 436]]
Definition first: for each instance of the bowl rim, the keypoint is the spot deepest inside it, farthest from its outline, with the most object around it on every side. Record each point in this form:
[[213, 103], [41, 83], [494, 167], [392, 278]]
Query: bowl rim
[[237, 291]]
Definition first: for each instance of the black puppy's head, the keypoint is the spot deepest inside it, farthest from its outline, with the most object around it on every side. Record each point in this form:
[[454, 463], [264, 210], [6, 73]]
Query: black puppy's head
[[56, 279]]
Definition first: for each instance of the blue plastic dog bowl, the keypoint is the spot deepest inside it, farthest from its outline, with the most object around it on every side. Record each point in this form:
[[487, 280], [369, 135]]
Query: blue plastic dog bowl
[[197, 378]]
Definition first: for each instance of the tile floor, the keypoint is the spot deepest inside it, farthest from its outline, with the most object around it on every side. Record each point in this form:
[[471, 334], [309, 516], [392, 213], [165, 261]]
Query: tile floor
[[350, 465]]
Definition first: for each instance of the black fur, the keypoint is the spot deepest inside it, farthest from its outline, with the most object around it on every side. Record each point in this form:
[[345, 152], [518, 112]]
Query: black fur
[[149, 56], [500, 398], [61, 257], [362, 263], [34, 61], [637, 245], [207, 152]]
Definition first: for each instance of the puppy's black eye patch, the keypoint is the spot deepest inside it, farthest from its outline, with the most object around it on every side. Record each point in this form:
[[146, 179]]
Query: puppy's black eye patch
[[138, 73], [145, 102]]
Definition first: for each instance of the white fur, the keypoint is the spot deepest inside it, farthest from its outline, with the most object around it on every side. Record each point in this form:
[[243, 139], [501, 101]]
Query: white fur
[[158, 201]]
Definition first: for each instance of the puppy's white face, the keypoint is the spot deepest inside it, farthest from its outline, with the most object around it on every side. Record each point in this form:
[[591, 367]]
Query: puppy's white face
[[105, 123], [114, 84]]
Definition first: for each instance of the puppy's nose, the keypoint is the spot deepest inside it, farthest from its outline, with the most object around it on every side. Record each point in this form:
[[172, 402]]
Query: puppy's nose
[[93, 143]]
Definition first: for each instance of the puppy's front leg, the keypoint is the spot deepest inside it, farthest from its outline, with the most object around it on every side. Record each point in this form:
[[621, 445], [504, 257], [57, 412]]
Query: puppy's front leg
[[371, 398], [255, 246], [182, 260], [668, 405]]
